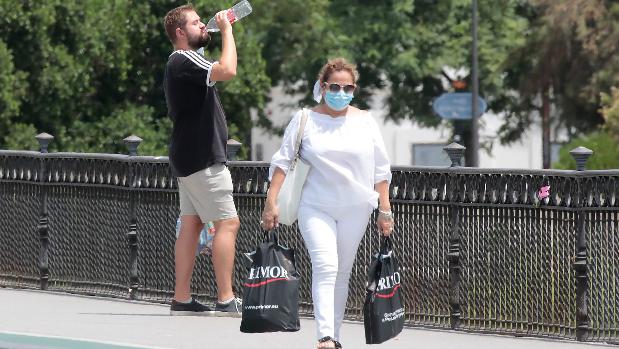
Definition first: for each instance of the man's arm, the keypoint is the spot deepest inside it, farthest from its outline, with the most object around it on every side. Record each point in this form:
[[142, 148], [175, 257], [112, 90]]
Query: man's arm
[[226, 69]]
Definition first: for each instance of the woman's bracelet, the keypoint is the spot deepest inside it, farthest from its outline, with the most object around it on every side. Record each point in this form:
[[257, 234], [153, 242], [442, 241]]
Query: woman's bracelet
[[385, 214]]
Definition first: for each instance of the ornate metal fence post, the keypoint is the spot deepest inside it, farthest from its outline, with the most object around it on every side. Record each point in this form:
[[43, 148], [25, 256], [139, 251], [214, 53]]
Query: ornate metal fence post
[[581, 155], [455, 152], [132, 142], [233, 148], [44, 139]]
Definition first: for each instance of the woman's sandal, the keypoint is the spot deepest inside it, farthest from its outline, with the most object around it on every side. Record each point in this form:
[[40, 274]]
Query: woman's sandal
[[329, 339]]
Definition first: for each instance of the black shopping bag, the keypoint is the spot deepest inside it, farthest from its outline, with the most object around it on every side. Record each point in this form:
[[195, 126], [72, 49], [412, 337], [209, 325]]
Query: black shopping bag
[[271, 289], [383, 312]]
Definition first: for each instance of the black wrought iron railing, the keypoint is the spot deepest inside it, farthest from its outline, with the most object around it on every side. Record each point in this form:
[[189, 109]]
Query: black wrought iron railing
[[479, 250]]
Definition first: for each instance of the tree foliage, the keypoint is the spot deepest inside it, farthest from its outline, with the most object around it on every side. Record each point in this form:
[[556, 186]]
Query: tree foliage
[[605, 155], [571, 49], [90, 73], [86, 70], [610, 111], [398, 45], [604, 142]]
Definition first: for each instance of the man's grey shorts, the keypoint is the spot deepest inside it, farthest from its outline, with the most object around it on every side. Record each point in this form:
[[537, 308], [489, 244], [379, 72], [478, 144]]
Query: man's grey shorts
[[208, 194]]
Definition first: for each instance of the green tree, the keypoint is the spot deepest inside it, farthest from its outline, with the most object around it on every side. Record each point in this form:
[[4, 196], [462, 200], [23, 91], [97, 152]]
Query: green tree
[[106, 135], [570, 55], [22, 137], [71, 63], [12, 90], [77, 69], [605, 155], [604, 142], [398, 45], [610, 111]]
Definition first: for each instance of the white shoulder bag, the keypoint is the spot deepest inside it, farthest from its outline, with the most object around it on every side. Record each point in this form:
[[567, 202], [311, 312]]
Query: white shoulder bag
[[290, 192]]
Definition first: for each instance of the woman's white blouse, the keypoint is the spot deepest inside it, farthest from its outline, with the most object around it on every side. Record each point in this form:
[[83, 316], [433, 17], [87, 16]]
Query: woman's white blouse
[[347, 156]]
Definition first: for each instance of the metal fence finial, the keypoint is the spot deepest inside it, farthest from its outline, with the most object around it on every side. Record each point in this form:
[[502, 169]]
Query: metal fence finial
[[133, 142], [233, 148], [44, 139], [455, 152], [581, 155]]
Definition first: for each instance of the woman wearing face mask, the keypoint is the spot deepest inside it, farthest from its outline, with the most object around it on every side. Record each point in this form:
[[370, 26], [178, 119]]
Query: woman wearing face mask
[[348, 179]]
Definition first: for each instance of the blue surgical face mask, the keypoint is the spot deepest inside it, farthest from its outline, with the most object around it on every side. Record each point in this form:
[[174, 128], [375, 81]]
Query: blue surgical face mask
[[338, 100]]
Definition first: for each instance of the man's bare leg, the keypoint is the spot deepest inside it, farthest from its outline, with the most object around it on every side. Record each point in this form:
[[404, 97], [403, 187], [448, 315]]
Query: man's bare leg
[[223, 255], [185, 255]]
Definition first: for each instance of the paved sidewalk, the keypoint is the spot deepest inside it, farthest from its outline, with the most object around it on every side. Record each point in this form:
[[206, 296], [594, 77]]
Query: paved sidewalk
[[122, 324]]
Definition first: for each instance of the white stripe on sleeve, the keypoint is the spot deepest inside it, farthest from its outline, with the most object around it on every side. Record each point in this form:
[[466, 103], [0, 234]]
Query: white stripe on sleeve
[[209, 82], [199, 57], [197, 60]]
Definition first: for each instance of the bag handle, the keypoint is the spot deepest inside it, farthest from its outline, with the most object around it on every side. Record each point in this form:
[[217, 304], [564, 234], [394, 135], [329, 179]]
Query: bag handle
[[297, 143], [386, 245], [271, 236]]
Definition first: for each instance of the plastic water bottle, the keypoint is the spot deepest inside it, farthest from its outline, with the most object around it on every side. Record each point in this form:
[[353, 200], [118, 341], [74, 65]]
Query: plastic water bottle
[[235, 13], [205, 244]]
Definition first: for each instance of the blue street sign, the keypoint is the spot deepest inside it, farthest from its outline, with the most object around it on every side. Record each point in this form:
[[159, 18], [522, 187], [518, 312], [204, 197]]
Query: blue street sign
[[457, 106]]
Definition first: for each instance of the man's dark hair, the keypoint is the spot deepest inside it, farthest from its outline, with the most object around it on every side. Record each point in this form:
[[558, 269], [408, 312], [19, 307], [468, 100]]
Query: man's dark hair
[[176, 18]]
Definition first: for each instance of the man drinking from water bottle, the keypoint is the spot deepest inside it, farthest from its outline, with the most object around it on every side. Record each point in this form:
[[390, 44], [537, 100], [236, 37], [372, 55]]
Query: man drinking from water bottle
[[197, 154]]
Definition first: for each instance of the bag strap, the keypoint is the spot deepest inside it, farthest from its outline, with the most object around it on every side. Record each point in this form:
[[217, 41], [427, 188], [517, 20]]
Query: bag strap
[[271, 236], [297, 144], [386, 244]]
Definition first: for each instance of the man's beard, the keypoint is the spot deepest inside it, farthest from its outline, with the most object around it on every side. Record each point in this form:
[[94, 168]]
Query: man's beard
[[199, 41]]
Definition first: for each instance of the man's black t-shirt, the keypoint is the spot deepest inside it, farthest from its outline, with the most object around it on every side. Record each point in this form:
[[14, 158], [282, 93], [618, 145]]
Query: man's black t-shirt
[[199, 133]]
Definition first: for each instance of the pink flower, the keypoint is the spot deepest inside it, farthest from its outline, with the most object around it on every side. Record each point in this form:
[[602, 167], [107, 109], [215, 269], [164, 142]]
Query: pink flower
[[544, 192]]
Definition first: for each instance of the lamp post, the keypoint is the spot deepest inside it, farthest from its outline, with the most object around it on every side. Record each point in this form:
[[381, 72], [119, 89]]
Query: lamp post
[[473, 158]]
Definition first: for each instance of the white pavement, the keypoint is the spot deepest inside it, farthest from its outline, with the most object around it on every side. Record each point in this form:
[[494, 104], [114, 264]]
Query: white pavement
[[150, 326]]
